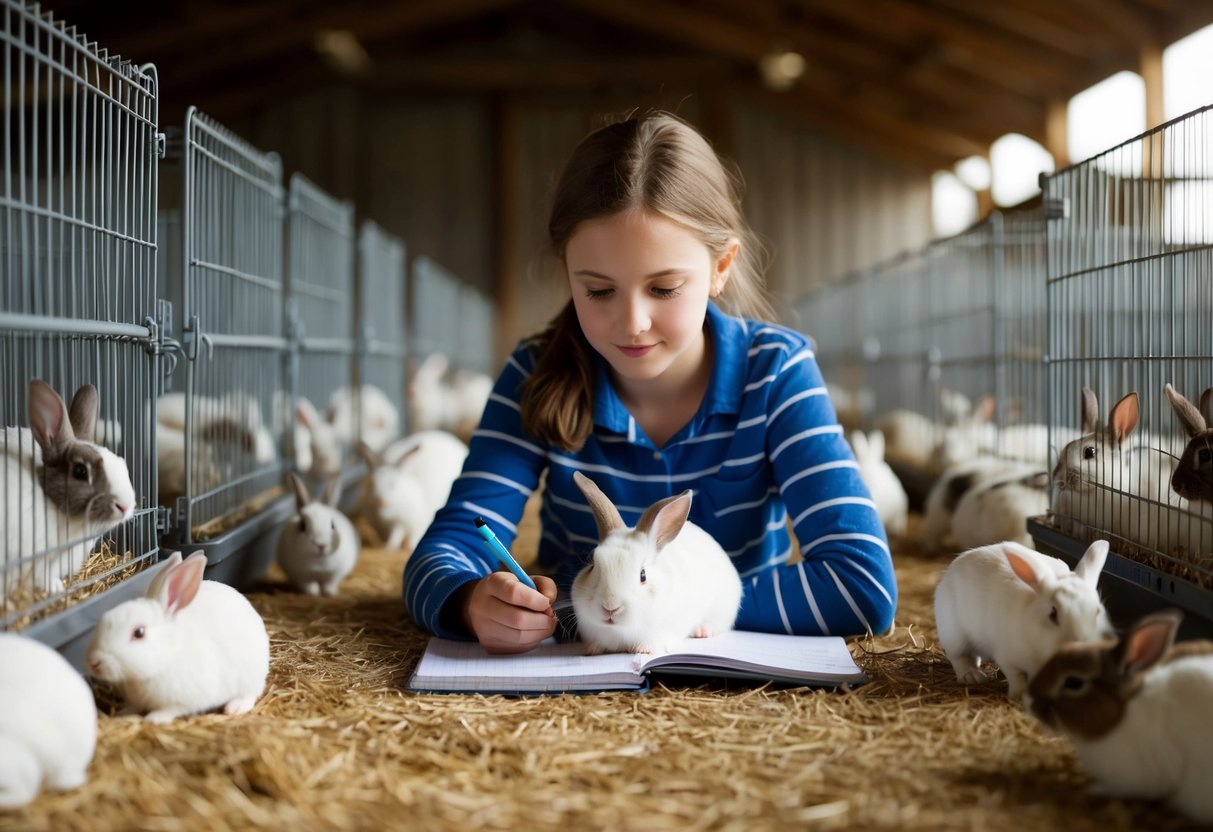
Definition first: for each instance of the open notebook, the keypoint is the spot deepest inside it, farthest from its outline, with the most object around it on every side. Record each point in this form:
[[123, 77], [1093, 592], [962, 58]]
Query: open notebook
[[464, 666]]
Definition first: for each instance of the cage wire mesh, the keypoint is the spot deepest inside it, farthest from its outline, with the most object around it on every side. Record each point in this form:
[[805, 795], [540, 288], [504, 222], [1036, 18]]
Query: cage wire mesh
[[320, 303], [435, 321], [1130, 299], [384, 348], [477, 332], [226, 427], [832, 316], [77, 306]]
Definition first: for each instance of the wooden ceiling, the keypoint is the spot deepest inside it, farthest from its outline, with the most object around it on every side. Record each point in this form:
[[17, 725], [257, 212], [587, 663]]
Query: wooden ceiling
[[924, 82]]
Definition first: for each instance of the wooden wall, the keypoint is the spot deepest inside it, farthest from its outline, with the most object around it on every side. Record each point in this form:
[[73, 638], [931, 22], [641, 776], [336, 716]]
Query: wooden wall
[[466, 179]]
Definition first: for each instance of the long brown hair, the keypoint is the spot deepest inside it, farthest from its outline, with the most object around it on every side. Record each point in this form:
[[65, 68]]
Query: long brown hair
[[657, 163]]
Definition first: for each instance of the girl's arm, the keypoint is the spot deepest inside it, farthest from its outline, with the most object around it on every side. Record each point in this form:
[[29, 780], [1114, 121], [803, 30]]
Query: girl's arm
[[447, 566], [844, 584]]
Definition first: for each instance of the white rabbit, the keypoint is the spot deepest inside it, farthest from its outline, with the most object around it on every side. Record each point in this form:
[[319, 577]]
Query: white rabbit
[[187, 647], [318, 547], [1106, 483], [948, 490], [379, 419], [909, 437], [224, 441], [62, 491], [999, 509], [317, 443], [647, 588], [969, 431], [408, 483], [1137, 713], [892, 503], [470, 391], [48, 722], [431, 405], [1013, 605]]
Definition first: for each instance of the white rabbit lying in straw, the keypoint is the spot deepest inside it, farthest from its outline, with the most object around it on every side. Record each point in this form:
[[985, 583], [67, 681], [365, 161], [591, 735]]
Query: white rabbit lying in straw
[[187, 647]]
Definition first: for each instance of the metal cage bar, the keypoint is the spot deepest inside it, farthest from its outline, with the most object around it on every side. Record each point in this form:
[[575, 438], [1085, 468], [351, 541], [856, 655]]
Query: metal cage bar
[[383, 354]]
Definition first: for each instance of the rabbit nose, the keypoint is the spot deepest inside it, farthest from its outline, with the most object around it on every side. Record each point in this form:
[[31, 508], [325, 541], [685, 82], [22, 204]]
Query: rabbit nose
[[121, 508], [611, 612]]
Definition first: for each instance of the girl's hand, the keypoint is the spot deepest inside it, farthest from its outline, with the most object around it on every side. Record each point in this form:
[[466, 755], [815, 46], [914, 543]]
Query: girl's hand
[[507, 616]]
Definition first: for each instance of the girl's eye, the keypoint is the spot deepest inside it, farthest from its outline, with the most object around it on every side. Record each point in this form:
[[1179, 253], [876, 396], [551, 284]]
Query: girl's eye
[[664, 293], [597, 294]]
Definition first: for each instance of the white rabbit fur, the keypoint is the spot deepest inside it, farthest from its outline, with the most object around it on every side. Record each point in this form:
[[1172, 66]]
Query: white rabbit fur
[[892, 502], [223, 436], [948, 490], [318, 547], [999, 509], [203, 646], [316, 443], [909, 437], [48, 722], [431, 405], [1106, 482], [649, 587], [968, 433], [380, 419], [64, 522], [1137, 713], [998, 602], [408, 483]]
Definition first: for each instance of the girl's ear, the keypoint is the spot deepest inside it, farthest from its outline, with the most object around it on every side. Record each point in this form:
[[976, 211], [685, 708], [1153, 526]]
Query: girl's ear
[[724, 265]]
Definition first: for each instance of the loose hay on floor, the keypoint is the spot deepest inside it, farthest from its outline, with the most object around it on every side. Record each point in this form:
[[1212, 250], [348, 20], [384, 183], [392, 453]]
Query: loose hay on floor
[[336, 744]]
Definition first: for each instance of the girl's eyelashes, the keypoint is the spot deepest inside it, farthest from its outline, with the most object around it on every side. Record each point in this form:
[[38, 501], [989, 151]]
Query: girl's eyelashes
[[597, 294], [661, 292]]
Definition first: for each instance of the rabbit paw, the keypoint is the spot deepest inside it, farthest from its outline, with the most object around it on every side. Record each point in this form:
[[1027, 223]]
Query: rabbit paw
[[240, 705]]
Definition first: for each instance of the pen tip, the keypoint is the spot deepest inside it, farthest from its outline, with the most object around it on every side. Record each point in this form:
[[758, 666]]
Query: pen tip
[[479, 522]]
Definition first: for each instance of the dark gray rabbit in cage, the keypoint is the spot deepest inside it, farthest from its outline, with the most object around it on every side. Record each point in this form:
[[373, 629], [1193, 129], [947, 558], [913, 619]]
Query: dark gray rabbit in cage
[[1193, 477], [62, 491]]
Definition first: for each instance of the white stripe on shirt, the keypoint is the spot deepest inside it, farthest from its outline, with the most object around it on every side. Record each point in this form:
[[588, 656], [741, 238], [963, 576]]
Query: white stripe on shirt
[[791, 400], [835, 501], [847, 597], [808, 596], [806, 434]]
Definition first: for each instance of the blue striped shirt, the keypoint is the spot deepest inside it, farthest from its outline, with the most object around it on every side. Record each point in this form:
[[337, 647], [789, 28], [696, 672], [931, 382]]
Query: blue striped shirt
[[763, 445]]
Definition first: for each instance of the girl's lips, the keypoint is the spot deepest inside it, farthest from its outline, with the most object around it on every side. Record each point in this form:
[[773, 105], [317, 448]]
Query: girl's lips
[[635, 352]]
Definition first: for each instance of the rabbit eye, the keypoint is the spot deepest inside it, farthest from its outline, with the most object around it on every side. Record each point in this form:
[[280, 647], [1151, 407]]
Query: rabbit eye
[[643, 577], [302, 525], [1074, 684], [1053, 615], [138, 633], [1088, 452], [80, 471], [333, 525], [1204, 455]]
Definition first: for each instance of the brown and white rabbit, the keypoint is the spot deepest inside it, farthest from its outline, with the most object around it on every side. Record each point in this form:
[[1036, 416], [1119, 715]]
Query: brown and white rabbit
[[62, 490], [1138, 713], [649, 587], [1014, 605], [186, 647], [1193, 477]]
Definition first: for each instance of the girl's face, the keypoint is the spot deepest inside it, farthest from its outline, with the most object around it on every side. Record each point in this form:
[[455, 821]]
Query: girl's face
[[640, 285]]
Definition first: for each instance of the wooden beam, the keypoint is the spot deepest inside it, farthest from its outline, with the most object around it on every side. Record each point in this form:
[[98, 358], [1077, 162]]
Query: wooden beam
[[555, 74], [509, 284], [1151, 74], [1057, 133]]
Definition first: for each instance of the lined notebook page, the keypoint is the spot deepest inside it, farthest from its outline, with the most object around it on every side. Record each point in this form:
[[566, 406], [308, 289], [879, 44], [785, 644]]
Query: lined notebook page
[[465, 665], [803, 657]]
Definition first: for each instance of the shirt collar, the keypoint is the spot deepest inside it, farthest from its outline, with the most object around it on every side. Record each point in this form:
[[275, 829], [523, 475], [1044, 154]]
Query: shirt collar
[[729, 341]]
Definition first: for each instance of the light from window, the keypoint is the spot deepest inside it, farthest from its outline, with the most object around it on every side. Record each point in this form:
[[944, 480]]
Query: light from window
[[1016, 163], [953, 204], [1105, 115], [1187, 66], [974, 171]]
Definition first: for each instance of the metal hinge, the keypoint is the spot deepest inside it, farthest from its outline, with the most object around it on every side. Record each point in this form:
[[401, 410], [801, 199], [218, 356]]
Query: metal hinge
[[1057, 208], [161, 146], [164, 520]]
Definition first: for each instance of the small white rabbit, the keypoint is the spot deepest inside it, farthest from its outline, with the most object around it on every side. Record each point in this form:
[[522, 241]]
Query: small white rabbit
[[380, 420], [470, 391], [431, 404], [999, 509], [969, 431], [48, 722], [649, 587], [909, 437], [62, 491], [1137, 713], [317, 443], [949, 489], [187, 647], [892, 502], [318, 547], [1013, 605], [408, 483]]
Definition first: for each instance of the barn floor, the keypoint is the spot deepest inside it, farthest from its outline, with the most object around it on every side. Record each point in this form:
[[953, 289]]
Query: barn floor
[[336, 744]]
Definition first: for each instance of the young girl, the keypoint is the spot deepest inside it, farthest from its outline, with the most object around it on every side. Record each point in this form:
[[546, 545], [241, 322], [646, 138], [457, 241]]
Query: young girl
[[648, 387]]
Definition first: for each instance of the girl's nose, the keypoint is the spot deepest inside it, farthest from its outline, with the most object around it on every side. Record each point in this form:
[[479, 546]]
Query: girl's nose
[[638, 319]]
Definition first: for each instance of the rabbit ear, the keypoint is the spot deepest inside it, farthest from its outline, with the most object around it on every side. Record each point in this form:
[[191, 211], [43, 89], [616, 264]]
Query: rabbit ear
[[368, 455], [1090, 410], [83, 412], [181, 583], [605, 514], [1123, 417], [1206, 406], [306, 413], [407, 454], [1147, 642], [153, 589], [1091, 564], [986, 408], [663, 520], [332, 490], [859, 444], [302, 497], [48, 418], [876, 444], [1189, 416], [1022, 567]]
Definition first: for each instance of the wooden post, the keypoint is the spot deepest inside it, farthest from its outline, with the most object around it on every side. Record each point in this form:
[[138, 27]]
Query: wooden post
[[508, 202]]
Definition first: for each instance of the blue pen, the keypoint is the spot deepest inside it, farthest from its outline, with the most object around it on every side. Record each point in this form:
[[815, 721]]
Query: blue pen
[[502, 553]]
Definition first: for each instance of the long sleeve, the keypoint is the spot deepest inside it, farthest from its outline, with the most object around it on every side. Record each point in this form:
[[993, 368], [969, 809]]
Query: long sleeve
[[844, 583], [501, 472]]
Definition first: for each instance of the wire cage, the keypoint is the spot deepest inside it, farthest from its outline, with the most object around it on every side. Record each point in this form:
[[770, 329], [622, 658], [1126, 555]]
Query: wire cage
[[1130, 299], [436, 324], [320, 309], [77, 307], [226, 429], [478, 333], [383, 331], [832, 315]]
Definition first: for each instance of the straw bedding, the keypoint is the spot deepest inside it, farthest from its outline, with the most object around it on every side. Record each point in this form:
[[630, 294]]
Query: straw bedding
[[335, 744]]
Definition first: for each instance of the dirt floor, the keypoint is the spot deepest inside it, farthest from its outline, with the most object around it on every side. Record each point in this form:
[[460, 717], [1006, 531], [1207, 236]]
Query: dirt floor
[[335, 743]]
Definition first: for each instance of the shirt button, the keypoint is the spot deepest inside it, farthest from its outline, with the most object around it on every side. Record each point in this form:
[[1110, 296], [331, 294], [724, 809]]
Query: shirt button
[[657, 455]]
